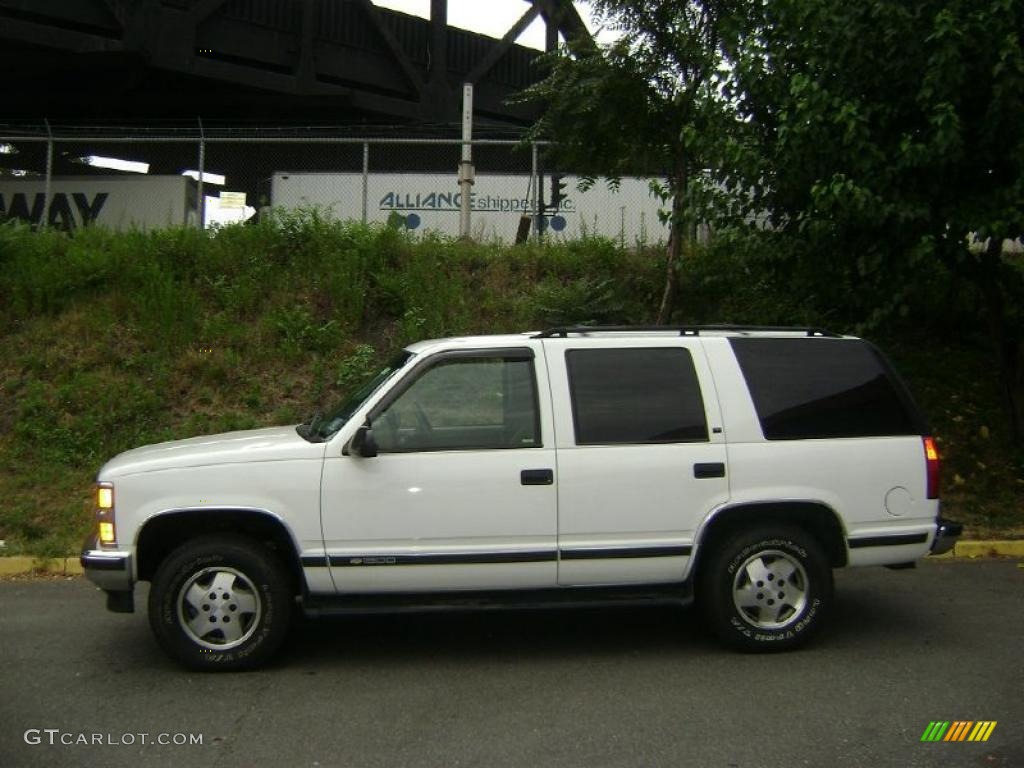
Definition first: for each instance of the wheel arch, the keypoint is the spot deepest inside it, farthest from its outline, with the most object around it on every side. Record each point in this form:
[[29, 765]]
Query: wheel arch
[[816, 518], [165, 531]]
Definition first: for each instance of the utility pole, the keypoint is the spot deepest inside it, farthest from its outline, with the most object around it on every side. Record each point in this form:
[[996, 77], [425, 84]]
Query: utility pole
[[466, 163]]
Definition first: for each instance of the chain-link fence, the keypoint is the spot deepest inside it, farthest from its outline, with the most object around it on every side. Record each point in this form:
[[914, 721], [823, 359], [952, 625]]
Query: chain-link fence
[[125, 178]]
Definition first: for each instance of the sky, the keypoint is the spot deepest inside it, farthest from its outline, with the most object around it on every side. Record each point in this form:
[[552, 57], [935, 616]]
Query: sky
[[493, 17]]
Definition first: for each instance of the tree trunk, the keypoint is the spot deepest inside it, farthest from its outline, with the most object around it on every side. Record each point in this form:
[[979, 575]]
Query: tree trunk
[[1005, 339], [678, 234]]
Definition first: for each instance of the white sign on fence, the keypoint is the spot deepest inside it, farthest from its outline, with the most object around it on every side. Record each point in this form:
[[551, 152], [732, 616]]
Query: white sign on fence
[[422, 202]]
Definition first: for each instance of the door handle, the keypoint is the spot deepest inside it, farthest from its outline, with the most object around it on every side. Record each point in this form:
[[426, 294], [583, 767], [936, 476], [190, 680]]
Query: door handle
[[711, 469], [536, 477]]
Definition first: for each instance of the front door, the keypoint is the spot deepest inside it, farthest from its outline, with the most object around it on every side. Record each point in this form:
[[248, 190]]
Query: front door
[[462, 494]]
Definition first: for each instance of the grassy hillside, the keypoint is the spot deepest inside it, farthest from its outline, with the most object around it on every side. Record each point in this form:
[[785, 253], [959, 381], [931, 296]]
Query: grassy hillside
[[112, 340]]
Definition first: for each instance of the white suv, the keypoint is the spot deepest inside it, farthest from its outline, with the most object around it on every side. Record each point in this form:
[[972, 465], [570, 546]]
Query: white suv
[[571, 466]]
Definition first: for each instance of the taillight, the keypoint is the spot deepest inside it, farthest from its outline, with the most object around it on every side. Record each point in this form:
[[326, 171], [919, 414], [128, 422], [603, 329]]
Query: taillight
[[931, 458]]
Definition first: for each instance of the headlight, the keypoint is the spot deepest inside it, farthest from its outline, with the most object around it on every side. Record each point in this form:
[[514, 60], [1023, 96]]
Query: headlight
[[105, 513]]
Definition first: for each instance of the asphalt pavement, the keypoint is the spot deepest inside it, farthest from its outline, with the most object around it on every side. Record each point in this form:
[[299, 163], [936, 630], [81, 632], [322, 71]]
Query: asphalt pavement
[[616, 687]]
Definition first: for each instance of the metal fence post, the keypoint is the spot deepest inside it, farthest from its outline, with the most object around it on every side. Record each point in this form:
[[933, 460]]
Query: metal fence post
[[44, 219], [535, 187], [366, 180], [199, 191]]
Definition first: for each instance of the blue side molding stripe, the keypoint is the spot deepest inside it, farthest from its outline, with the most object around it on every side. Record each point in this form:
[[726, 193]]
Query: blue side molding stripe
[[485, 558], [896, 540]]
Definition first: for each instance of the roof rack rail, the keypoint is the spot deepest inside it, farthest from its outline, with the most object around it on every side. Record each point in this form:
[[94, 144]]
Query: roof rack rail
[[683, 330]]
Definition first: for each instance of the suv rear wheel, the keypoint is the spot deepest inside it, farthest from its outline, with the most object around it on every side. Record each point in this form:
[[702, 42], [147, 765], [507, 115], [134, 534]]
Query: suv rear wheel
[[220, 603], [766, 588]]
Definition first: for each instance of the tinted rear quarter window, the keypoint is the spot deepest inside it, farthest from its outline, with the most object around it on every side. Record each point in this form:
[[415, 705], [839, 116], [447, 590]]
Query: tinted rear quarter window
[[624, 396], [824, 388]]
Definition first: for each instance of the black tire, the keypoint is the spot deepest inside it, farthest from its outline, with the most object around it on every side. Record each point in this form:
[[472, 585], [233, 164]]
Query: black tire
[[734, 584], [220, 603]]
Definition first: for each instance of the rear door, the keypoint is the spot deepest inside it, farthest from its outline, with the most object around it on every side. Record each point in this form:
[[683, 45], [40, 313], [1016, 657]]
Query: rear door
[[641, 456]]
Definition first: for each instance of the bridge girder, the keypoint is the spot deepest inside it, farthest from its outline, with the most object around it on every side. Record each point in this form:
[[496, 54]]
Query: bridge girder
[[348, 60]]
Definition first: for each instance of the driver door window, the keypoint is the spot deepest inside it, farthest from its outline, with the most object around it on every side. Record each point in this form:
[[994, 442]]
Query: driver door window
[[464, 403]]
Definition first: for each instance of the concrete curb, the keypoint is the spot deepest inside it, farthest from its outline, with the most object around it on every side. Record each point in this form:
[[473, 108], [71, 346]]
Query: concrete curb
[[16, 566], [965, 550], [69, 566]]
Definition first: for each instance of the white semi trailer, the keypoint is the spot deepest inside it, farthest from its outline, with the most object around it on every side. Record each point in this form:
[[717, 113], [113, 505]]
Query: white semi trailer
[[117, 202], [426, 201]]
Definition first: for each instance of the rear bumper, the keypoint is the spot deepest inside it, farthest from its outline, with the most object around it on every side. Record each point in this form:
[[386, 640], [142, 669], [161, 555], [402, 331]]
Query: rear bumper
[[111, 570], [946, 534]]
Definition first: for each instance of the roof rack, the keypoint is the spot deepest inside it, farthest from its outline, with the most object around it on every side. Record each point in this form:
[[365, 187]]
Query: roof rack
[[683, 330]]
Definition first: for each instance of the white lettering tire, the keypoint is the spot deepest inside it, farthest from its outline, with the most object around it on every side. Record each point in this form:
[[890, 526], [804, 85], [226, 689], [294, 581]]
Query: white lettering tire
[[766, 588], [220, 603]]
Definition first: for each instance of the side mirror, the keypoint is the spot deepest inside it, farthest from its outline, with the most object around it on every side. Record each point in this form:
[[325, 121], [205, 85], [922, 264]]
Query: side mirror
[[362, 443]]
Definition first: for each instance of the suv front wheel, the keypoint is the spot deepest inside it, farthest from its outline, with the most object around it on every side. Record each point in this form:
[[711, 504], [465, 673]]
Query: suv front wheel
[[766, 588], [220, 603]]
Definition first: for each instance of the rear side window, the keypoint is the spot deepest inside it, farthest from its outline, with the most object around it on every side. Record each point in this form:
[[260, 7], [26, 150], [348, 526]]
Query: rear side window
[[822, 388], [635, 396]]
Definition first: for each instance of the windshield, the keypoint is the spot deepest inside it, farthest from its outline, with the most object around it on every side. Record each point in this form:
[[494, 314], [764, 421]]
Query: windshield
[[322, 427]]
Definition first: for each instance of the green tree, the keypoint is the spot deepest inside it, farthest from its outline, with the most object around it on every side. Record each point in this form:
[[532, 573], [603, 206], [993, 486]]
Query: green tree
[[649, 103], [879, 136]]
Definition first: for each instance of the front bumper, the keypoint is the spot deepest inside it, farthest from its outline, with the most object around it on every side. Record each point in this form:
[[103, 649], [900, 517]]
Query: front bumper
[[946, 534], [108, 569]]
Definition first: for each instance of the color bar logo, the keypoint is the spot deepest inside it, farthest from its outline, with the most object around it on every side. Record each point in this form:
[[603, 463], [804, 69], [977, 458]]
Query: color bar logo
[[958, 730]]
